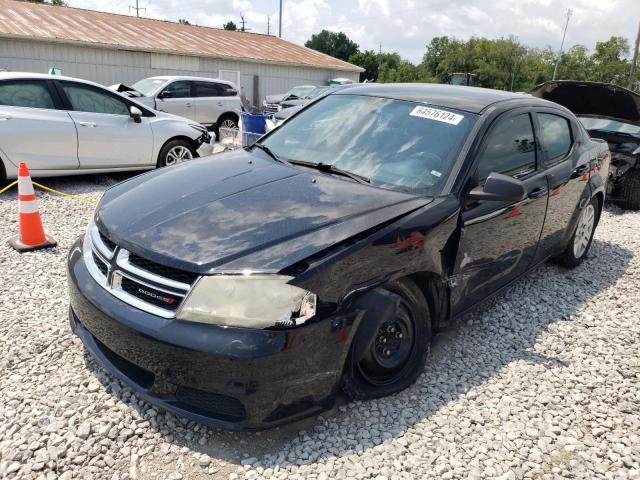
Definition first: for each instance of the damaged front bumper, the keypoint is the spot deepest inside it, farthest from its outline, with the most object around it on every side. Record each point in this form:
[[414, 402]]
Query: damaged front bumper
[[206, 142], [232, 378]]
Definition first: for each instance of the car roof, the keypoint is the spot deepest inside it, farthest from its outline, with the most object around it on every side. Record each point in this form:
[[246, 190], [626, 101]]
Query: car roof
[[186, 77], [43, 76], [469, 99]]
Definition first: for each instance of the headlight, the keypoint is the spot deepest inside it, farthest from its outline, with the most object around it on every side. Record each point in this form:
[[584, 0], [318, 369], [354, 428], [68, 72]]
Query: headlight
[[200, 128], [251, 301]]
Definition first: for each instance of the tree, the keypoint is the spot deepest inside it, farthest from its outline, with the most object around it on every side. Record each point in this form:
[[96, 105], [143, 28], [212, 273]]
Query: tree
[[230, 26], [610, 60], [337, 45], [367, 60], [184, 21], [436, 53]]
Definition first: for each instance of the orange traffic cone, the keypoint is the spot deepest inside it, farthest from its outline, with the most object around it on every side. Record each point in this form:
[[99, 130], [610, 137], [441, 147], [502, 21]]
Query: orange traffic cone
[[32, 236]]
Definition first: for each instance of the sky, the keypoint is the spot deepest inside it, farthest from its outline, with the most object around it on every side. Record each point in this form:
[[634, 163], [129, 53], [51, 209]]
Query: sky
[[404, 26]]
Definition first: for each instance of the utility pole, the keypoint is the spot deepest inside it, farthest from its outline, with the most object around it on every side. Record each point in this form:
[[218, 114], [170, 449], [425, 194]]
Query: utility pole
[[137, 8], [280, 21], [242, 21], [268, 20], [564, 34], [634, 62]]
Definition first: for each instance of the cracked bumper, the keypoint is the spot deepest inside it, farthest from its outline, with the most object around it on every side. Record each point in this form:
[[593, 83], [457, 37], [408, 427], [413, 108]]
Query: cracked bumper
[[227, 377]]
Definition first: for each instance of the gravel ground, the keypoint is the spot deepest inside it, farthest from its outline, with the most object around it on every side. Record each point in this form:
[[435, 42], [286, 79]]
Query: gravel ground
[[542, 382]]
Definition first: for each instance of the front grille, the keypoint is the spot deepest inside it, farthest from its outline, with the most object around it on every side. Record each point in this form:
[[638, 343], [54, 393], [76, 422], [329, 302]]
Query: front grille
[[110, 245], [139, 375], [100, 264], [142, 283], [163, 271], [211, 404], [271, 108], [151, 295]]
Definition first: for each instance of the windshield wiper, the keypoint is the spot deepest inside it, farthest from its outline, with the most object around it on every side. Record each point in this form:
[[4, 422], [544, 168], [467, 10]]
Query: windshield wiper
[[328, 168], [269, 152]]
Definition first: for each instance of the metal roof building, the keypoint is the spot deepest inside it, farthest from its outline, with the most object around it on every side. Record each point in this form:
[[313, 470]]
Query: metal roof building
[[109, 48]]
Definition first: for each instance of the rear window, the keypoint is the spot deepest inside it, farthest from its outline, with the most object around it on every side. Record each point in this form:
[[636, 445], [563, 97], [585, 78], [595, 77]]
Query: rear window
[[556, 135]]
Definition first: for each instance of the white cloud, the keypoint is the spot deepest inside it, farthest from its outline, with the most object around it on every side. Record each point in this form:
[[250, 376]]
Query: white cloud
[[407, 26]]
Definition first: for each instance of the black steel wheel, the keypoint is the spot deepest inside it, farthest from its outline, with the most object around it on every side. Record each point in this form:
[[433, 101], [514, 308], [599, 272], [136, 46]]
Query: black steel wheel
[[397, 352]]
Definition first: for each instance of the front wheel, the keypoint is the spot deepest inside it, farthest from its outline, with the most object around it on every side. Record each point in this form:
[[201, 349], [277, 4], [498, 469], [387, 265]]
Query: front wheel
[[578, 247], [397, 354], [628, 194], [174, 152]]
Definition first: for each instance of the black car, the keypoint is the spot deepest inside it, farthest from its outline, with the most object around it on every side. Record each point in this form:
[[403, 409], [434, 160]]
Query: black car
[[245, 290], [612, 113]]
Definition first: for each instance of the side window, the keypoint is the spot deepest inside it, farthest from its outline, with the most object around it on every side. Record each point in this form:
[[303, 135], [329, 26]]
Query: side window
[[25, 93], [206, 89], [85, 98], [179, 89], [556, 133], [509, 149], [228, 90]]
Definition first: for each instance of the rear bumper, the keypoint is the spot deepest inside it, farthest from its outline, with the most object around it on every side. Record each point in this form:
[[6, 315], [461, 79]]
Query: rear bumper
[[226, 377]]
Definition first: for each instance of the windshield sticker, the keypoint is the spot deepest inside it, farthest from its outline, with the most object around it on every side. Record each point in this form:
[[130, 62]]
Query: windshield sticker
[[435, 114], [436, 173]]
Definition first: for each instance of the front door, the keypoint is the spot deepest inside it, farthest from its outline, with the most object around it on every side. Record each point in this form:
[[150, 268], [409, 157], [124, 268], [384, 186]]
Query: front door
[[177, 99], [499, 239], [107, 135], [32, 130]]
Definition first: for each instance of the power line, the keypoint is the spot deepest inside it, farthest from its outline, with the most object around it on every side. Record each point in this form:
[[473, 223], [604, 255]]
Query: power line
[[137, 8]]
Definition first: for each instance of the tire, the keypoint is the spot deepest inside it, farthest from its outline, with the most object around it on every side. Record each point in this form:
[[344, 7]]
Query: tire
[[628, 193], [176, 151], [377, 374], [228, 120], [580, 243]]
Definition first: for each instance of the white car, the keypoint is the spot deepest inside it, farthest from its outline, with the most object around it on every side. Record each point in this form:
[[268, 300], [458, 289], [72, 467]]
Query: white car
[[64, 126], [211, 102]]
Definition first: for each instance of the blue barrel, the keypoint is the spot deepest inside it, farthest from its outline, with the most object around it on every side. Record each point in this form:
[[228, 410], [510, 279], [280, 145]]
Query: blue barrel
[[254, 122]]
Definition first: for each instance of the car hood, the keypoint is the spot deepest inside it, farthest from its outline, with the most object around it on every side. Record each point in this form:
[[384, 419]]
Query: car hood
[[601, 100], [294, 103], [275, 98], [242, 210]]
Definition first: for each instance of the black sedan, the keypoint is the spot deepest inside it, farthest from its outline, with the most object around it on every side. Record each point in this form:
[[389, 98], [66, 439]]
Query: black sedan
[[244, 290]]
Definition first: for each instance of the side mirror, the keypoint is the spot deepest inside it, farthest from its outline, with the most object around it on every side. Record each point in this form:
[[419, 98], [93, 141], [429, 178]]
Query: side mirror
[[499, 188], [164, 94], [135, 113]]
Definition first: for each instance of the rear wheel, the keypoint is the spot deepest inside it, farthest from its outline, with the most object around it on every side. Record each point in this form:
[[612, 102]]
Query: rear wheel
[[628, 193], [578, 247], [397, 354], [176, 151]]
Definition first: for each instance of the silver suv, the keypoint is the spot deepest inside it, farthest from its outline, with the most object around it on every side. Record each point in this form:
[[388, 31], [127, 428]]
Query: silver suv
[[211, 102]]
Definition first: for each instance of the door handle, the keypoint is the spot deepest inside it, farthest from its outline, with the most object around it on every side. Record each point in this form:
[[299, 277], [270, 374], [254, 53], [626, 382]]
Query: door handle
[[88, 124], [187, 104], [219, 104], [4, 116], [538, 192]]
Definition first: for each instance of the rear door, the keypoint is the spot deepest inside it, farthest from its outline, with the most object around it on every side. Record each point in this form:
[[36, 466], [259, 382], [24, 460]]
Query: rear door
[[177, 98], [499, 239], [567, 170], [32, 129], [210, 100], [107, 135]]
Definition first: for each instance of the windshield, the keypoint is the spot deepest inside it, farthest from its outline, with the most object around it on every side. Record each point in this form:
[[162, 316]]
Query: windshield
[[149, 85], [604, 124], [317, 91], [299, 92], [397, 144]]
